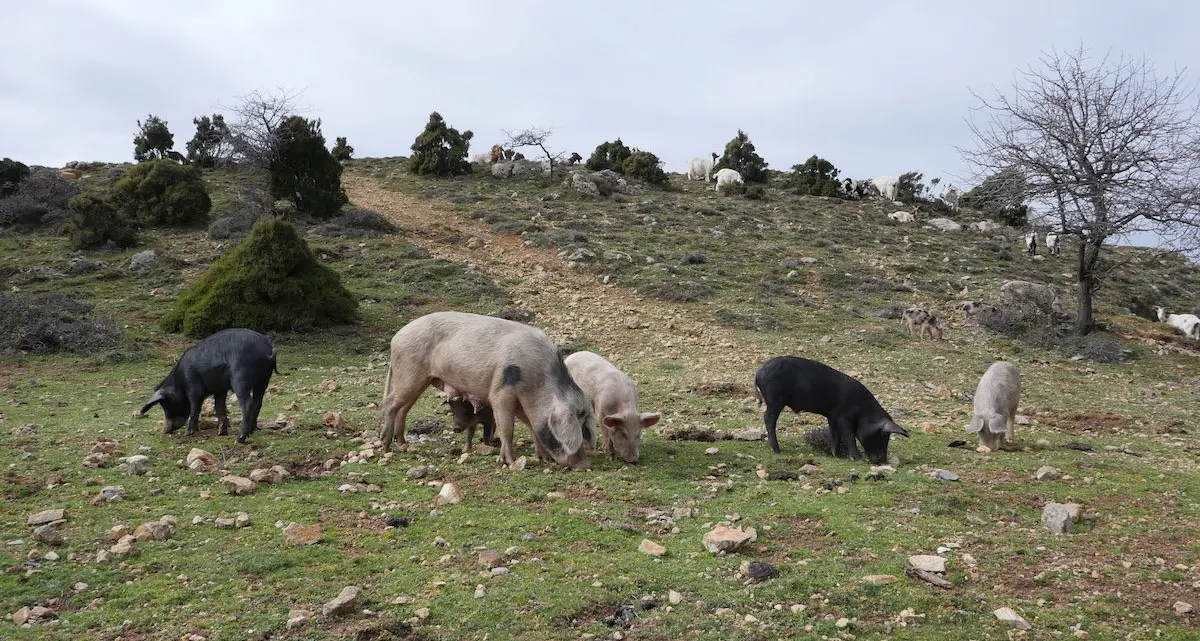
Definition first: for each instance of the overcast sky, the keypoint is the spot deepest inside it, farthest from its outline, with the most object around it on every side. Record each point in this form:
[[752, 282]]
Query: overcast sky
[[878, 88]]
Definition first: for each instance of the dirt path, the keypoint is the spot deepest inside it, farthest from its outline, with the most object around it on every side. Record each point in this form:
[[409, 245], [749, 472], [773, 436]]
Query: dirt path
[[568, 304]]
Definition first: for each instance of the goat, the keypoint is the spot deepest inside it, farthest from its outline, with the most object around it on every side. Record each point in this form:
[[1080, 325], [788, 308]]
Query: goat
[[701, 168], [901, 217], [727, 177], [1031, 243], [575, 158], [951, 196], [1052, 246], [1188, 324], [888, 187]]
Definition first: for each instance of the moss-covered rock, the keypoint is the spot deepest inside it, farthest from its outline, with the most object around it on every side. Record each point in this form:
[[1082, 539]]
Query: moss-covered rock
[[269, 281]]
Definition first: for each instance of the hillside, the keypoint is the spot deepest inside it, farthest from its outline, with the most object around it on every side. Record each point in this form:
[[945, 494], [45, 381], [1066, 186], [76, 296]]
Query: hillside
[[691, 335]]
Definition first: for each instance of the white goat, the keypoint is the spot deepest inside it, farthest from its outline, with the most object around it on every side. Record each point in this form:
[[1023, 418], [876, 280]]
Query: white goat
[[701, 168], [887, 186], [727, 177], [1031, 243], [901, 217], [1052, 246], [950, 196], [1188, 324]]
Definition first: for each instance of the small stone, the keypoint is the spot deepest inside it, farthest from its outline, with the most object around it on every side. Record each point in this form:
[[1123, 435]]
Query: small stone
[[422, 613], [48, 534], [650, 547], [296, 534], [724, 612], [241, 519], [137, 465], [117, 531], [415, 473], [46, 516], [489, 559], [1021, 419], [264, 475], [449, 495], [1047, 473], [712, 450], [199, 460], [238, 485], [797, 608], [110, 493], [943, 475], [152, 531], [674, 597], [20, 617], [51, 556], [878, 579], [842, 623], [748, 434], [750, 618], [500, 571], [1057, 518], [983, 449], [224, 523], [343, 602], [969, 559], [1009, 616], [334, 420], [296, 618], [928, 562], [727, 539], [520, 463], [1182, 607], [480, 591], [1041, 442], [758, 571]]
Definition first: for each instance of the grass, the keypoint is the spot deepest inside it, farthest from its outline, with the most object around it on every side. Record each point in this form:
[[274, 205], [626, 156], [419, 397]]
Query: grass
[[577, 534]]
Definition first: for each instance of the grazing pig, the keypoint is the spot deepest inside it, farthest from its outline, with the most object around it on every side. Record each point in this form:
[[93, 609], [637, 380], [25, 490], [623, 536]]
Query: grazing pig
[[614, 402], [996, 400], [469, 412], [808, 386], [237, 360], [510, 366]]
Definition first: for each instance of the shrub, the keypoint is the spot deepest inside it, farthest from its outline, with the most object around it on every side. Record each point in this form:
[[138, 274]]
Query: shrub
[[643, 165], [40, 199], [1000, 197], [304, 172], [356, 223], [608, 155], [740, 156], [682, 291], [11, 174], [733, 189], [440, 150], [52, 323], [910, 188], [162, 192], [252, 205], [341, 151], [816, 177], [95, 222], [269, 281], [153, 139], [755, 192], [210, 144]]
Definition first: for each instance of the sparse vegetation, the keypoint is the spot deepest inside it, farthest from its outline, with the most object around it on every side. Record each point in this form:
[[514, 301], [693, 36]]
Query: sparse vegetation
[[341, 150], [741, 157], [211, 143], [52, 323], [440, 150], [95, 222], [39, 203], [608, 155], [269, 281], [304, 172], [153, 140], [816, 177]]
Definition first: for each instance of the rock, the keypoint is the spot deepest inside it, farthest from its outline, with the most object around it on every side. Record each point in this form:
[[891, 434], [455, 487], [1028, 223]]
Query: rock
[[296, 534], [728, 539], [712, 450], [343, 602], [1010, 617], [674, 598], [943, 224], [519, 464], [136, 465], [1182, 607], [758, 571], [748, 434], [449, 495], [96, 459], [576, 180], [273, 474], [500, 571], [928, 562], [1057, 518], [783, 476], [489, 559], [116, 532], [943, 475], [653, 549], [51, 556], [80, 265], [46, 516], [224, 523], [48, 534], [985, 226], [241, 519], [200, 461], [238, 485], [153, 531], [724, 612], [1047, 473], [842, 623], [878, 579], [422, 613], [415, 473], [143, 260], [296, 618], [123, 547], [20, 617], [480, 591], [334, 420], [110, 493]]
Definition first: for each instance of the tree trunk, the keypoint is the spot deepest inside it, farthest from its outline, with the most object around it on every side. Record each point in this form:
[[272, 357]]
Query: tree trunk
[[1085, 276]]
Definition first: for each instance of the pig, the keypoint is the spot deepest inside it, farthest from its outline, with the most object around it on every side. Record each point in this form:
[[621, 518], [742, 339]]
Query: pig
[[614, 402], [809, 386], [237, 360], [469, 412], [996, 400], [510, 366]]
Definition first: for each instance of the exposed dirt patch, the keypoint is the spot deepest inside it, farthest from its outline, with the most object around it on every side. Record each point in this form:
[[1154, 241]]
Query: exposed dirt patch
[[800, 533], [720, 388], [1079, 423], [18, 486]]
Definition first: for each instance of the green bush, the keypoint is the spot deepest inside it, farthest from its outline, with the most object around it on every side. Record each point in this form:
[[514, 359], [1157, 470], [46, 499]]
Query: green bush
[[304, 172], [269, 281], [95, 221], [153, 139], [1001, 197], [162, 192], [11, 174], [440, 150], [740, 156], [341, 150], [816, 177], [643, 165], [733, 189], [210, 144], [609, 155], [755, 192], [910, 188]]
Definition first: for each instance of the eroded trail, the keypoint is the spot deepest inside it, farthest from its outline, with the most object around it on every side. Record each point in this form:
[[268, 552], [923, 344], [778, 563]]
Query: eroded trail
[[568, 304]]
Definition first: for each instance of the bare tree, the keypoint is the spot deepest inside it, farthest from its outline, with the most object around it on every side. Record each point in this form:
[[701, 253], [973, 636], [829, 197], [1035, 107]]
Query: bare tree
[[534, 137], [1108, 148], [253, 135]]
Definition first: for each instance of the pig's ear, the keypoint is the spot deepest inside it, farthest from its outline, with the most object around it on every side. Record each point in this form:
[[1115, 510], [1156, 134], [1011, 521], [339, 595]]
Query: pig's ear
[[649, 418], [891, 428], [154, 399], [612, 421]]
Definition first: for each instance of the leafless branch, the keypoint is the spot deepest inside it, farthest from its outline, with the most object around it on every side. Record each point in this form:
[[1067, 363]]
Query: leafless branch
[[257, 116]]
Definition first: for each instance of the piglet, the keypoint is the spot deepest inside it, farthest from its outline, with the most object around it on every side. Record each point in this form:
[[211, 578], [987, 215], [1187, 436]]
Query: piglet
[[614, 402]]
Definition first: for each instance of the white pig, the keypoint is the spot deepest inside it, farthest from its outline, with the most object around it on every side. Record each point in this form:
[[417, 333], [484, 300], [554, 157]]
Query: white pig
[[996, 400], [614, 402]]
